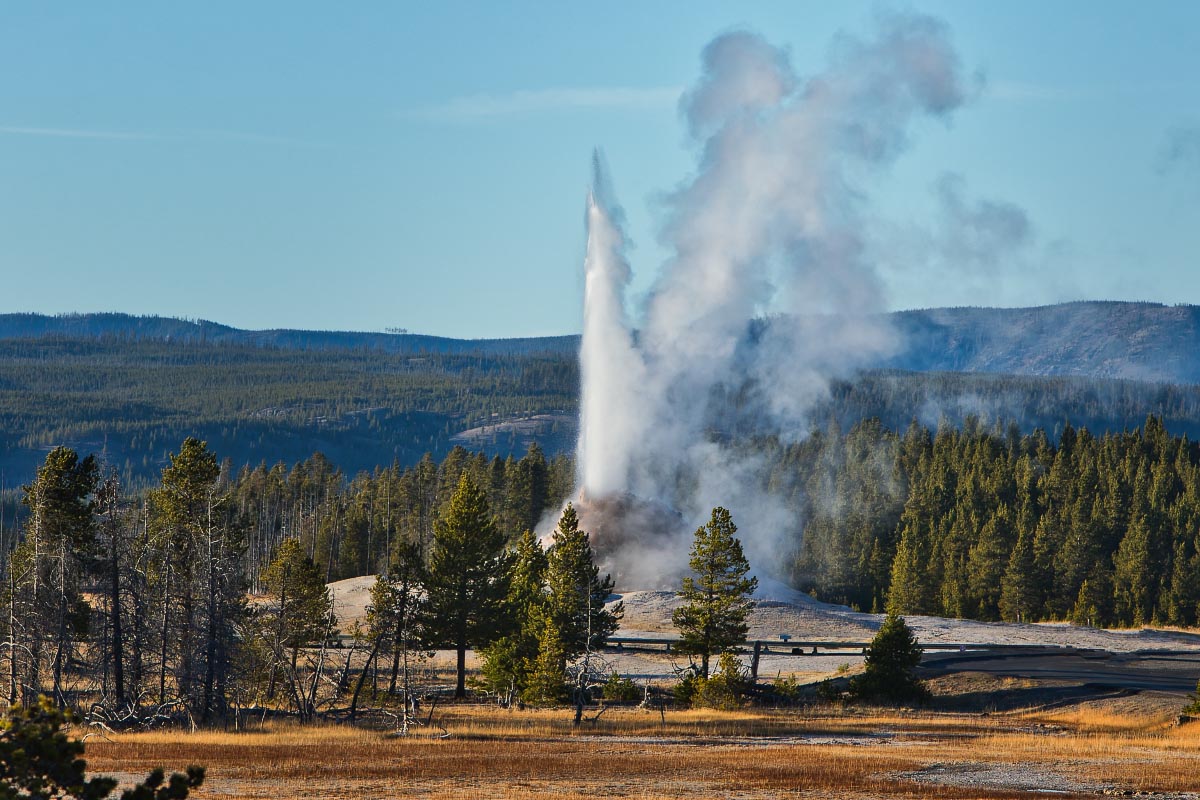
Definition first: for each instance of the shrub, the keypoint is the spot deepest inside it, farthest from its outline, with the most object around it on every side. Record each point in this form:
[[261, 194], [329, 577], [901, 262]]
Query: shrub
[[787, 690], [829, 692], [1192, 709], [891, 660], [726, 689], [685, 691], [39, 761], [621, 690]]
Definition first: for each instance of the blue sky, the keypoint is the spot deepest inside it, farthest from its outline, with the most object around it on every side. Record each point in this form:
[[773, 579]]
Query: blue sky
[[371, 165]]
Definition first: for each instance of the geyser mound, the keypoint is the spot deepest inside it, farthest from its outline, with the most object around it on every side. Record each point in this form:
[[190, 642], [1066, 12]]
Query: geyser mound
[[642, 543]]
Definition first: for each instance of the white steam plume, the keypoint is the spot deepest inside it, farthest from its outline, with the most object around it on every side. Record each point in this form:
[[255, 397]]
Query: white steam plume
[[770, 224], [607, 357]]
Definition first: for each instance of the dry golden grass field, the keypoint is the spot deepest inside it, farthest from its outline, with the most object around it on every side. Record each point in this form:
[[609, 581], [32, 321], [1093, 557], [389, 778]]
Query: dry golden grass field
[[484, 752]]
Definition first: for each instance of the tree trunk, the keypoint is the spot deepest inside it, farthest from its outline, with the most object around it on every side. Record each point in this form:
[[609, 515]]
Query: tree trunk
[[164, 635], [460, 688], [210, 645], [114, 605], [401, 623], [362, 677], [12, 635], [61, 637]]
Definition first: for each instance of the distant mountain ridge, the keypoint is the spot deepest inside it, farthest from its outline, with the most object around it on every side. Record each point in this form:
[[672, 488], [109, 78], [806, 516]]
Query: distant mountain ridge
[[1102, 339], [1130, 341], [128, 326]]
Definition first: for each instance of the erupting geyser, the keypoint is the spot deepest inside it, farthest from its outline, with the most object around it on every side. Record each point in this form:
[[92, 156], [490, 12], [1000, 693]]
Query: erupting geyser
[[607, 357], [771, 223]]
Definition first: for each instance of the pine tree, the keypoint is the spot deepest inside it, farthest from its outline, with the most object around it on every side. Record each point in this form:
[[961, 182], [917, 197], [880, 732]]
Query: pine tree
[[1094, 603], [891, 659], [909, 590], [507, 661], [468, 576], [199, 578], [716, 600], [405, 607], [395, 617], [1135, 577], [986, 566], [528, 490], [547, 680], [47, 570], [576, 592], [300, 612], [1018, 588], [38, 761]]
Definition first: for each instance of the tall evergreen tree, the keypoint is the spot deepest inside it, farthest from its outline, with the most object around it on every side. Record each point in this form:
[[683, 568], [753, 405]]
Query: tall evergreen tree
[[716, 600], [468, 576], [47, 613], [529, 490], [200, 577], [576, 592], [1018, 588]]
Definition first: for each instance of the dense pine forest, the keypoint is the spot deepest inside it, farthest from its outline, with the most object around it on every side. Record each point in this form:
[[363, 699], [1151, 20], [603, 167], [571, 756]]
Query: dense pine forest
[[990, 524]]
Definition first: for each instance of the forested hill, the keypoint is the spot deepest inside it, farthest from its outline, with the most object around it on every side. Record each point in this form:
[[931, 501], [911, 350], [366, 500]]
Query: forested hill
[[135, 400], [151, 328], [1135, 341], [133, 387], [1132, 341]]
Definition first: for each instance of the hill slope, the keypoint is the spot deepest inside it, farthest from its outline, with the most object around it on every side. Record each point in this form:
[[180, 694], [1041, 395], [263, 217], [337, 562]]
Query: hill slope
[[135, 386], [1132, 341], [1135, 341]]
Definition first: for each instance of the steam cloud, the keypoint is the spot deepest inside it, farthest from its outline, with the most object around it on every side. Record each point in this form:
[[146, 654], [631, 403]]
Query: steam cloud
[[768, 293]]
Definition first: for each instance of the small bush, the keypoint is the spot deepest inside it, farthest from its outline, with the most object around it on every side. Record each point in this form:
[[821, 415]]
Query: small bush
[[829, 692], [621, 690], [685, 691], [787, 690], [1192, 709], [727, 689]]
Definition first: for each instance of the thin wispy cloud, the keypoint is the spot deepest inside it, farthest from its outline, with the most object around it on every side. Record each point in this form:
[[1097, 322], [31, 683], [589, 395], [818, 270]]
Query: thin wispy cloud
[[179, 136], [249, 138], [73, 133], [533, 101]]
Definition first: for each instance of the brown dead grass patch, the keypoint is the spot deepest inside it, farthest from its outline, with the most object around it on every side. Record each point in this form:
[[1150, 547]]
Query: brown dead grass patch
[[633, 754]]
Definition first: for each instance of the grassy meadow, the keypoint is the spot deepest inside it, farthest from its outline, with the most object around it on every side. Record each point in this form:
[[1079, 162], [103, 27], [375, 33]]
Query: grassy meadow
[[482, 751]]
